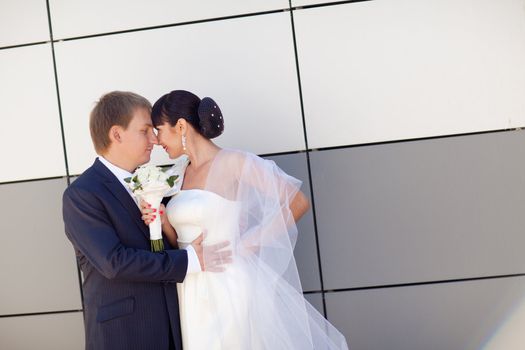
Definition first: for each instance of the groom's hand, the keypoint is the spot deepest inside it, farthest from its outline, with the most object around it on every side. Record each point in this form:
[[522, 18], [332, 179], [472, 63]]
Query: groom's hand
[[213, 257]]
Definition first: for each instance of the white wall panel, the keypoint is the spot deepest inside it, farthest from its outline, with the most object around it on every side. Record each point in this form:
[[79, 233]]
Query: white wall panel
[[39, 271], [387, 70], [466, 316], [247, 65], [76, 17], [30, 136], [43, 332], [310, 2], [23, 22]]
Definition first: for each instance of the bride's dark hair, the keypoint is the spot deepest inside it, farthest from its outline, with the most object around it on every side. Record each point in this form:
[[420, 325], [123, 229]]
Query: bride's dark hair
[[204, 115]]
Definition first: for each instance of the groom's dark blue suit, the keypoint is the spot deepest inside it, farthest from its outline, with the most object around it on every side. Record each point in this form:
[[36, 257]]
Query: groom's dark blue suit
[[130, 296]]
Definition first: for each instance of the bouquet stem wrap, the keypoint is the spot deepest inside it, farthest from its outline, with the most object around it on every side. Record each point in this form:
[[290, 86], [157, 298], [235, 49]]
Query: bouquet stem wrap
[[154, 197]]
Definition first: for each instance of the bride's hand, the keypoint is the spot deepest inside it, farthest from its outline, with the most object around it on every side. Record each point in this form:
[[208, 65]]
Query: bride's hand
[[149, 214]]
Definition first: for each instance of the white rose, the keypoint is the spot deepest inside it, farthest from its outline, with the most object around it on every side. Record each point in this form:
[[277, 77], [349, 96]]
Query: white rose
[[162, 176], [156, 174], [142, 175]]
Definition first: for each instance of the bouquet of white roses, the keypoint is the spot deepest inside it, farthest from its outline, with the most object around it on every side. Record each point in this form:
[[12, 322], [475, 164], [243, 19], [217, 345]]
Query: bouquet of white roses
[[151, 183]]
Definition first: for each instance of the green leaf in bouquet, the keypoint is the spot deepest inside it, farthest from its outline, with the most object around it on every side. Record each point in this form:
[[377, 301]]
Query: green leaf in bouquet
[[128, 179], [171, 180]]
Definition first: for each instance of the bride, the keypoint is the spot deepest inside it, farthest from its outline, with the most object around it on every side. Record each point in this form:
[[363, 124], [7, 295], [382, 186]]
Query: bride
[[235, 196]]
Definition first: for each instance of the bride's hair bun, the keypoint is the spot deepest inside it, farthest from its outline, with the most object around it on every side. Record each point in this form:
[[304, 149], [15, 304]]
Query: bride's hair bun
[[211, 122]]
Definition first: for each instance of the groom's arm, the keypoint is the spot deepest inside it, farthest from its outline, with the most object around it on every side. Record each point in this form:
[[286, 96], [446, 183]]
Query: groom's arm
[[89, 228]]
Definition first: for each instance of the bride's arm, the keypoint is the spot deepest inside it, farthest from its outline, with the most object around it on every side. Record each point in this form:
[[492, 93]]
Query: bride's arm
[[168, 230], [299, 206]]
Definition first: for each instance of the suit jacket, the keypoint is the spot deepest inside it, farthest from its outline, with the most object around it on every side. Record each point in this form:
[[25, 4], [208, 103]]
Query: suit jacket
[[130, 295]]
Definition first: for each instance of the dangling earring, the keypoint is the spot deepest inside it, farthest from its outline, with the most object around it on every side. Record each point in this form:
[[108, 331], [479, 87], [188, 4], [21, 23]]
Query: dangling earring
[[184, 142]]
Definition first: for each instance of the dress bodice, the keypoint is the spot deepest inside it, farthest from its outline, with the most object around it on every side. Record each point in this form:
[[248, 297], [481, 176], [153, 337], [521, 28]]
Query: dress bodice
[[194, 211]]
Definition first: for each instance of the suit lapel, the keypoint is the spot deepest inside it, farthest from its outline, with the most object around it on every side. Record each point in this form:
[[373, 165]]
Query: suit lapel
[[122, 195]]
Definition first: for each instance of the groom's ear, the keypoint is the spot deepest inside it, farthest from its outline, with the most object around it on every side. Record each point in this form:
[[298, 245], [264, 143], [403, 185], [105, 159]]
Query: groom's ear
[[115, 134]]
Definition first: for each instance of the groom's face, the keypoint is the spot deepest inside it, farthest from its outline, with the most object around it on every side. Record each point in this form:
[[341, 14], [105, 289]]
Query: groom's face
[[139, 138]]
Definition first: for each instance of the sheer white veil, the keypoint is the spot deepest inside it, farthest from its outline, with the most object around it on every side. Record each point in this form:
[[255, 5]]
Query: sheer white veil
[[263, 242]]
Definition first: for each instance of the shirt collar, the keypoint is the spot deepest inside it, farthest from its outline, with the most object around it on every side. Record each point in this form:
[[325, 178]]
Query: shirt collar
[[119, 173]]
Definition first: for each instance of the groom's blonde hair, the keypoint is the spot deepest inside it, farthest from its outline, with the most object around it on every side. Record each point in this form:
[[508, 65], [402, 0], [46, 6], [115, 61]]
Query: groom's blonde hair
[[113, 108]]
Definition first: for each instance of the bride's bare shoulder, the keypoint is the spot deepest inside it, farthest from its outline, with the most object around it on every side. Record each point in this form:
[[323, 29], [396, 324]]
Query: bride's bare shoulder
[[233, 158]]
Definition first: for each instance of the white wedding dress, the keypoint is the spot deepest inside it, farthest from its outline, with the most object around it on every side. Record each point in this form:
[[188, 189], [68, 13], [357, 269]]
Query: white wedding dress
[[257, 302], [210, 314]]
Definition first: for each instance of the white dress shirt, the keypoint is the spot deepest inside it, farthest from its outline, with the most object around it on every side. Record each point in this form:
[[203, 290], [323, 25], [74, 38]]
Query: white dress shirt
[[193, 261]]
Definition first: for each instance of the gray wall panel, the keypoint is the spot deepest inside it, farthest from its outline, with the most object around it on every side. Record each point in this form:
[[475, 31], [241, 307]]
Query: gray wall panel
[[316, 300], [43, 332], [38, 271], [447, 316], [305, 250], [417, 211]]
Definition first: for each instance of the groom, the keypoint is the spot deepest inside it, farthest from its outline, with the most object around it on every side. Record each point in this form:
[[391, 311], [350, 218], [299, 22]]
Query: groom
[[130, 295]]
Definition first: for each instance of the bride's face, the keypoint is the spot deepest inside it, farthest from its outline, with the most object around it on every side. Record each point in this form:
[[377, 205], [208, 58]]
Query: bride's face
[[170, 138]]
